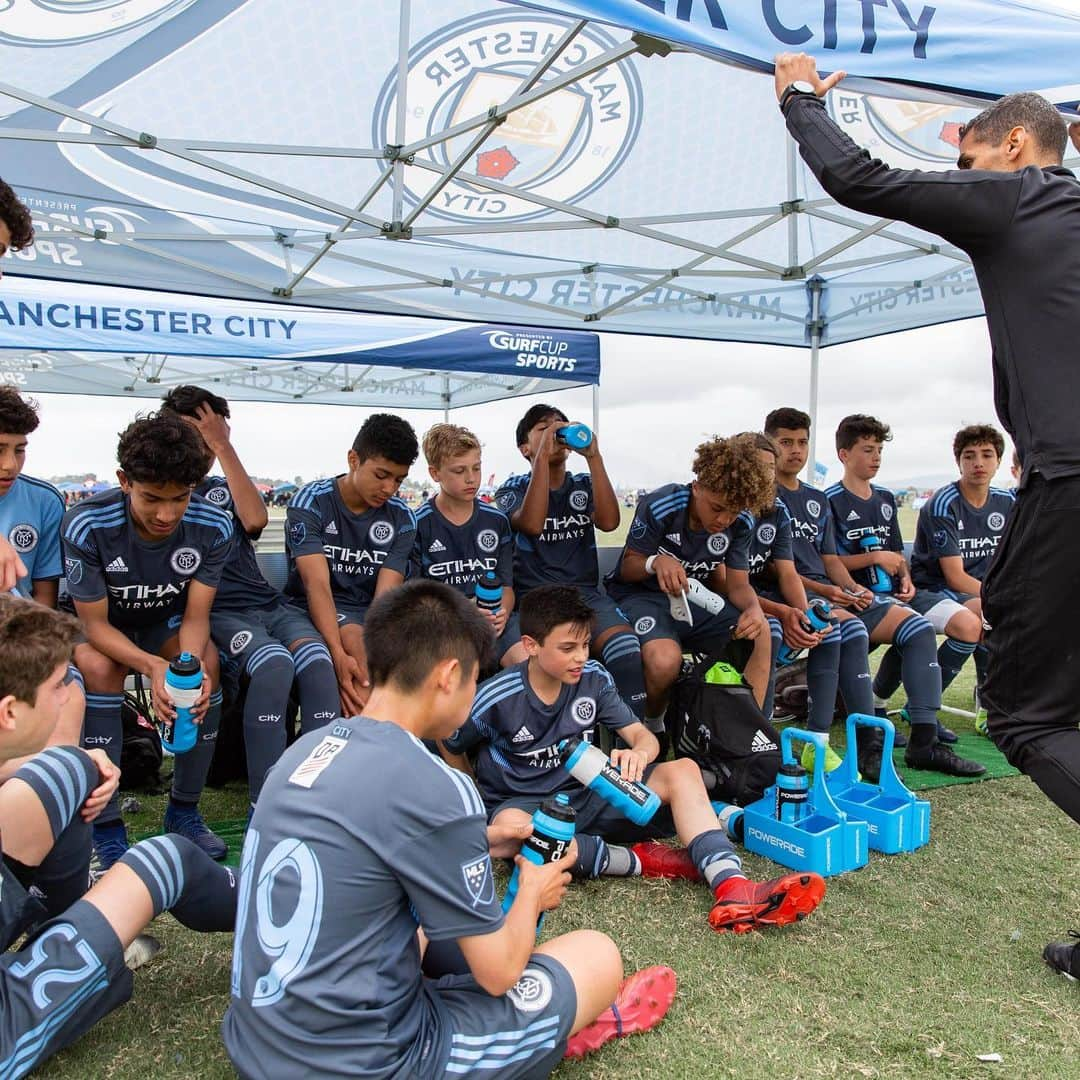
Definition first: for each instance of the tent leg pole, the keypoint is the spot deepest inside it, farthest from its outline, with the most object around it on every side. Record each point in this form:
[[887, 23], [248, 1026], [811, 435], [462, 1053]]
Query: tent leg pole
[[596, 408], [446, 399], [816, 324]]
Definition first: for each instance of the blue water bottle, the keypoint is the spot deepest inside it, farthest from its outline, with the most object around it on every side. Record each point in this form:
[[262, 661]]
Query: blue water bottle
[[576, 436], [553, 832], [880, 582], [488, 593], [589, 765], [818, 618], [183, 683], [792, 792]]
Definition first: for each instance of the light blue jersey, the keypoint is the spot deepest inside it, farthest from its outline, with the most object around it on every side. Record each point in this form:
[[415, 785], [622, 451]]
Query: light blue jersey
[[30, 515]]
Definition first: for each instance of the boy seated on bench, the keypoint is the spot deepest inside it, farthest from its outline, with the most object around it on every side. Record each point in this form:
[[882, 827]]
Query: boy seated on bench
[[73, 970], [460, 538], [959, 529], [143, 562], [349, 540], [271, 642], [517, 721], [693, 532]]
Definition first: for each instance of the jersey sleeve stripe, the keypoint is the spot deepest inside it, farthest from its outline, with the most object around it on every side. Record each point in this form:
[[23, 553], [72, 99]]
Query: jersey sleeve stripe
[[490, 703], [500, 682]]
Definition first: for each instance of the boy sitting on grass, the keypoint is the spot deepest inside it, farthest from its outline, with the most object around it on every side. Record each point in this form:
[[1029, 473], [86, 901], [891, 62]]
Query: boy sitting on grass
[[520, 716]]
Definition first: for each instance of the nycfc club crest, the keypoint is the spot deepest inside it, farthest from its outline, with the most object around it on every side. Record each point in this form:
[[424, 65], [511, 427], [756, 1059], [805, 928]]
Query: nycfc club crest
[[718, 543], [219, 496], [487, 540], [579, 499], [995, 521], [185, 560], [584, 711], [644, 625], [532, 992], [25, 537], [240, 642], [904, 134], [766, 533], [381, 533], [562, 146]]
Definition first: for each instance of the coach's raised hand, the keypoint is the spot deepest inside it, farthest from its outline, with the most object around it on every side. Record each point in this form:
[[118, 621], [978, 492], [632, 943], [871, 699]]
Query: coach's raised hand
[[798, 67]]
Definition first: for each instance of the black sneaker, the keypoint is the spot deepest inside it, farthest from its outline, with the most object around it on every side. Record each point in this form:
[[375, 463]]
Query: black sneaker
[[869, 742], [1064, 956], [939, 758]]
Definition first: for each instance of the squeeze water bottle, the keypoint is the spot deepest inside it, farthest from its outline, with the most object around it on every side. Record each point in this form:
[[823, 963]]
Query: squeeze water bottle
[[590, 766], [553, 832], [488, 593], [576, 436], [792, 792], [818, 618], [880, 581], [183, 681]]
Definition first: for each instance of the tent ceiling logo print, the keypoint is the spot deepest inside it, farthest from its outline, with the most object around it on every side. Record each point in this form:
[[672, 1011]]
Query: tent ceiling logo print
[[38, 22], [906, 134], [562, 146]]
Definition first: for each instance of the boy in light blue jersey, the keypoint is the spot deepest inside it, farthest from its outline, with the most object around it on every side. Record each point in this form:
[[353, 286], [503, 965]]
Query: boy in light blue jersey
[[349, 540], [696, 532], [555, 514], [267, 641], [31, 511], [143, 563], [516, 724], [959, 529], [365, 848], [460, 539], [73, 968]]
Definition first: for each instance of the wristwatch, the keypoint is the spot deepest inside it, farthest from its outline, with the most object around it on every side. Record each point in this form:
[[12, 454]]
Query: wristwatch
[[799, 86]]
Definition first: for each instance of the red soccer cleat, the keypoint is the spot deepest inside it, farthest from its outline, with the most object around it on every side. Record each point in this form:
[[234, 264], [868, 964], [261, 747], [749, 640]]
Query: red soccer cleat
[[642, 1002], [743, 905], [659, 860]]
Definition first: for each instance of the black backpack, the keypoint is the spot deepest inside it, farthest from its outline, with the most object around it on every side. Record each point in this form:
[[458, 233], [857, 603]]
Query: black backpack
[[140, 750], [721, 728]]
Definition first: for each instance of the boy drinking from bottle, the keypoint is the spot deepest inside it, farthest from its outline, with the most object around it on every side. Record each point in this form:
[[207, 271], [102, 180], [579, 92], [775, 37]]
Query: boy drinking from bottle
[[460, 540], [364, 848], [519, 718]]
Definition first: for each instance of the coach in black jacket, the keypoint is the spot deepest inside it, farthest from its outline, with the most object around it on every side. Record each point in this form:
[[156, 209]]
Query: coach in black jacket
[[1015, 209]]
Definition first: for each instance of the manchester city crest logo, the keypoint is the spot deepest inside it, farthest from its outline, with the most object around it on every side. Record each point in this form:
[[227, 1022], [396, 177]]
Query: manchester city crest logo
[[68, 23], [562, 146], [905, 134]]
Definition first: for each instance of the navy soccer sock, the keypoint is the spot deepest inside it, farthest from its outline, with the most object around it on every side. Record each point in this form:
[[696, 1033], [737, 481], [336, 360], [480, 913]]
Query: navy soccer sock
[[192, 768], [981, 657], [951, 656], [621, 655], [776, 634], [270, 678], [319, 698], [854, 670], [103, 730], [822, 679], [180, 878], [715, 858], [889, 673], [917, 642], [598, 858]]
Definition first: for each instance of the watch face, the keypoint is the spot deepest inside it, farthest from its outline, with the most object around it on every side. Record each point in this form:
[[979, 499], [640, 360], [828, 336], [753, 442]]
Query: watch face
[[802, 86]]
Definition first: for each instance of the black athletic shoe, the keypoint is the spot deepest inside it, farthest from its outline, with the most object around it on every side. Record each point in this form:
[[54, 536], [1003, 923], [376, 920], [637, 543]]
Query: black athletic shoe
[[1064, 956], [946, 735], [899, 739], [870, 742], [939, 758]]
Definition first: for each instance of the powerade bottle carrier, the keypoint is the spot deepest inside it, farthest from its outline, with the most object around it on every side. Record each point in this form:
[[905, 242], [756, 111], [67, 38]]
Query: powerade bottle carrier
[[589, 765], [488, 594], [881, 582], [183, 682], [553, 832]]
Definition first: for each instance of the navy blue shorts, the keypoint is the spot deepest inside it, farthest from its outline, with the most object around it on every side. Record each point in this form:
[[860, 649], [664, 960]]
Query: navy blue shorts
[[346, 615], [243, 633], [651, 619], [518, 1035]]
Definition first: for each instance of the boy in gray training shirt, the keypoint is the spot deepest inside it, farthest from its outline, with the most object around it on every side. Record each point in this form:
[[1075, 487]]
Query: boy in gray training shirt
[[363, 848]]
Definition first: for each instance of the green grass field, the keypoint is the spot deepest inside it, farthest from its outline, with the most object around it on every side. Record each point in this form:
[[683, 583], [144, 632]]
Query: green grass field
[[913, 966]]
